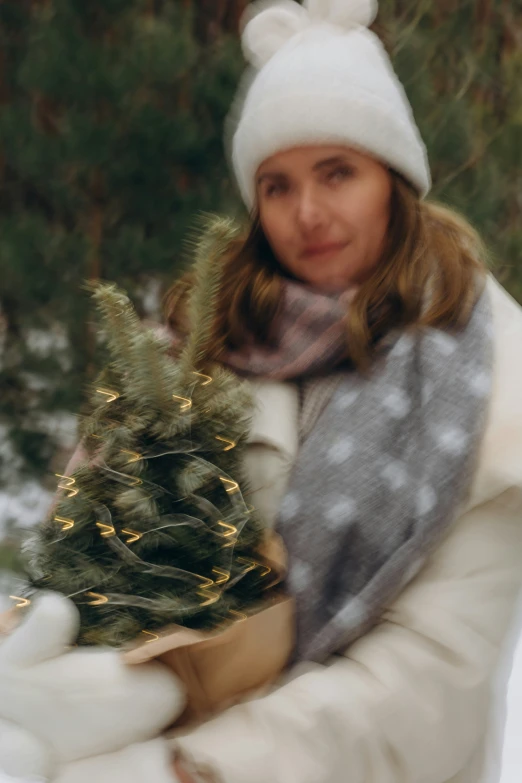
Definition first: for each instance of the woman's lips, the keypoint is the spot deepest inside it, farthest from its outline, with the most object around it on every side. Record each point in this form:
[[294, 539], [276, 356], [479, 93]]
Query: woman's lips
[[328, 248]]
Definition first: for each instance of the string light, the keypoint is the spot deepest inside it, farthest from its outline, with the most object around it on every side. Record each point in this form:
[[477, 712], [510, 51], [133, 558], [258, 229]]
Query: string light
[[233, 486], [100, 599], [252, 564], [187, 403], [155, 636], [66, 524], [240, 615], [67, 486], [135, 457], [23, 601], [111, 395], [231, 444], [230, 528], [224, 576], [133, 536], [202, 375], [107, 530], [212, 600]]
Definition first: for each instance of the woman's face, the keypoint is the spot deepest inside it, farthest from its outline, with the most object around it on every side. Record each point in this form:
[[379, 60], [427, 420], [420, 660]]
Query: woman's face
[[325, 212]]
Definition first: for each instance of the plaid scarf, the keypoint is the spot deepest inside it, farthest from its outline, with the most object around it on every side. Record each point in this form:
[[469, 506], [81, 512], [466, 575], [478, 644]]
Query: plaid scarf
[[309, 337]]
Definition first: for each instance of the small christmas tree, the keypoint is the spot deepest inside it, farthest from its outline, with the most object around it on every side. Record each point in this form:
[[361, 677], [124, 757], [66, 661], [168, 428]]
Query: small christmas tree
[[154, 528]]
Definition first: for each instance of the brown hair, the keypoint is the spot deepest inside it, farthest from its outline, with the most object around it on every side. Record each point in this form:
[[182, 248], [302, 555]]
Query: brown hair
[[429, 249]]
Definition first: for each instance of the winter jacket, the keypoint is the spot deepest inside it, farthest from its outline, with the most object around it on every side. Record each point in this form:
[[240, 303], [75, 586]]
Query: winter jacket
[[419, 699]]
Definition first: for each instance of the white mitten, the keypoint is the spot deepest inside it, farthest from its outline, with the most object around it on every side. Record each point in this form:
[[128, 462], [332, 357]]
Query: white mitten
[[81, 702], [23, 757], [144, 762]]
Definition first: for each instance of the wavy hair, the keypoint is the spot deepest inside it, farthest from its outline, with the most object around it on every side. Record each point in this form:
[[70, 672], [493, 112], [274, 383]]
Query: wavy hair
[[431, 265]]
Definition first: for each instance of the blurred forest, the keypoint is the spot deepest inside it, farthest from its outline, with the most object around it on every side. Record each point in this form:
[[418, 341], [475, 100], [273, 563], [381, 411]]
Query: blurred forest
[[111, 115]]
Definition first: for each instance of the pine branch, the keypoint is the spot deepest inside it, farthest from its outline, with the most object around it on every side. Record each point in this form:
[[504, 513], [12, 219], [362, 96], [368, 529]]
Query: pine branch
[[217, 235]]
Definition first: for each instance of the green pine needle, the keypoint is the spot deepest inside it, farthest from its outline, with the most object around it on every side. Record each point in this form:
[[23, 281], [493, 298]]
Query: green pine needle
[[155, 529]]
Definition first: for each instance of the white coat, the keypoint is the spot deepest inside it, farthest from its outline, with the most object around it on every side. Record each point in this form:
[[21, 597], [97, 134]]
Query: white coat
[[419, 698]]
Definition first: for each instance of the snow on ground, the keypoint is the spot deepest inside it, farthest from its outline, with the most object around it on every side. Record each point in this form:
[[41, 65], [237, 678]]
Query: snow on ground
[[25, 507], [25, 503]]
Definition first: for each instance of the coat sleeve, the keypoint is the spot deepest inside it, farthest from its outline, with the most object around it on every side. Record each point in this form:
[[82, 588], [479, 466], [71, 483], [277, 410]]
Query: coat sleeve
[[409, 701]]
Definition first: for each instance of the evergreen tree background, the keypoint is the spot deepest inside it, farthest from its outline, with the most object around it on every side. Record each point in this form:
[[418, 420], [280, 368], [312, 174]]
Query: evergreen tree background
[[111, 115]]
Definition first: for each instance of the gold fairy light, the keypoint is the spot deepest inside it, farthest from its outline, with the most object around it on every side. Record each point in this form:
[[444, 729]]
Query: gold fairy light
[[135, 457], [224, 576], [111, 395], [187, 404], [208, 379], [155, 636], [211, 598], [231, 444], [23, 602], [230, 486], [99, 599], [66, 524], [135, 481], [133, 536], [239, 615], [67, 484], [251, 564], [231, 530], [265, 570], [107, 530], [66, 478]]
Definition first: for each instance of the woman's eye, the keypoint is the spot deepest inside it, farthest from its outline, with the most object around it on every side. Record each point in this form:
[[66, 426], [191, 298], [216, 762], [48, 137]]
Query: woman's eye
[[340, 174], [274, 190]]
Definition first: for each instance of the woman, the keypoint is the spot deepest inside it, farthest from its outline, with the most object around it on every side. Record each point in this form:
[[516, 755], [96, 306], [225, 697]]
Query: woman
[[387, 440]]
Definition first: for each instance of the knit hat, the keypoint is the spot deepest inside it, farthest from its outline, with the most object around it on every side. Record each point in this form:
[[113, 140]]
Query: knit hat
[[322, 78]]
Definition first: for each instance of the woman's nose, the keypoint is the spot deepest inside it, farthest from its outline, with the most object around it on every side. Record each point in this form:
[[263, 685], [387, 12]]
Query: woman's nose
[[310, 211]]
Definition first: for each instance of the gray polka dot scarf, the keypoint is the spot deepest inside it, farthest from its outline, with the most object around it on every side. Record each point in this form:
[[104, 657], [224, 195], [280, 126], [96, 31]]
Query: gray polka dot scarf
[[383, 472]]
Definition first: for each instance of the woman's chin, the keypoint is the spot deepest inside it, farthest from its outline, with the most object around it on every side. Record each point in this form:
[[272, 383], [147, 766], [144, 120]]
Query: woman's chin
[[329, 287]]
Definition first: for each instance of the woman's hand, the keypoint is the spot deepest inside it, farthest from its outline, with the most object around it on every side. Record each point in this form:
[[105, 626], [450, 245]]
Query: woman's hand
[[22, 755], [85, 701]]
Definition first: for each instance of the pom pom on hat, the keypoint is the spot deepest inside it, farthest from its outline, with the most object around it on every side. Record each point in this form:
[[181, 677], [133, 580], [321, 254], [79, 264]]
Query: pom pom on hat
[[268, 26], [267, 29], [344, 13]]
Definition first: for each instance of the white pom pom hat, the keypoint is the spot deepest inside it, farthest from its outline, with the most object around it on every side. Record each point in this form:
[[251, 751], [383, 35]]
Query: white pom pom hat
[[322, 78]]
